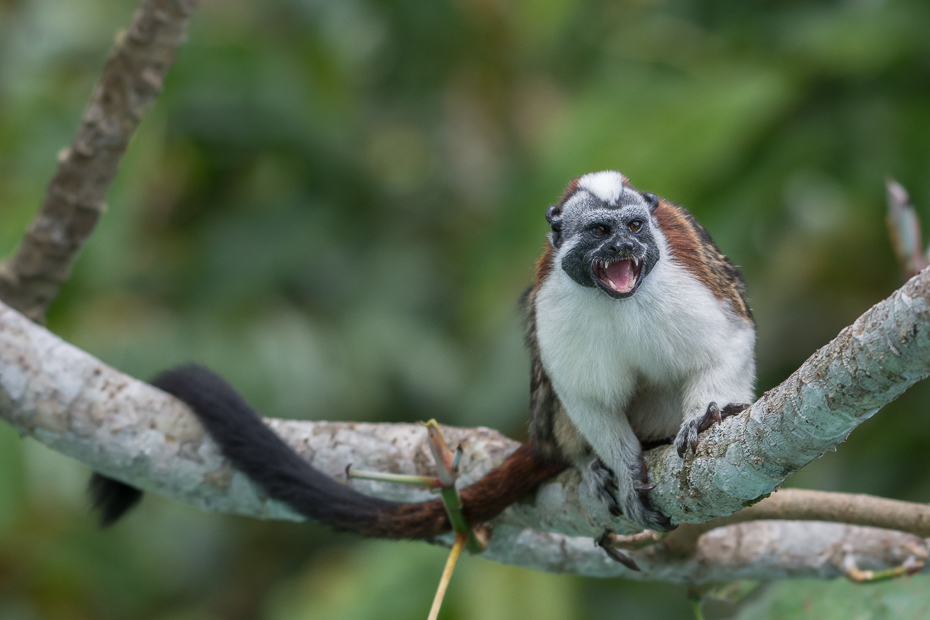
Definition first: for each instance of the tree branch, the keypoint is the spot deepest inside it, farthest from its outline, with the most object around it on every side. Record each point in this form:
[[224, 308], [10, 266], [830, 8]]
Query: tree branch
[[131, 80], [764, 550], [129, 430], [802, 505], [904, 229]]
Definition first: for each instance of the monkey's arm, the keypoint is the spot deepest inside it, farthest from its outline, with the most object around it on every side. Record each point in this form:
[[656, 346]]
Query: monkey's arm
[[600, 443], [718, 391], [258, 452], [616, 468]]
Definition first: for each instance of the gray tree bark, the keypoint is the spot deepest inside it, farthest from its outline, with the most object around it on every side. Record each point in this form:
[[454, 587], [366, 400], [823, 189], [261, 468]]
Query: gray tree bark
[[127, 429]]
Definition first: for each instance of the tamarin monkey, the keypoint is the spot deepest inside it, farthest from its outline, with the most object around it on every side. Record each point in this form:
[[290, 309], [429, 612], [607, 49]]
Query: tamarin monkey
[[639, 333]]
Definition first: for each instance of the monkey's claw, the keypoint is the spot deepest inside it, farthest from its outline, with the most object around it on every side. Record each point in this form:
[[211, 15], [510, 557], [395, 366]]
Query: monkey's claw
[[643, 512], [643, 484], [634, 503], [688, 435], [605, 485], [652, 519]]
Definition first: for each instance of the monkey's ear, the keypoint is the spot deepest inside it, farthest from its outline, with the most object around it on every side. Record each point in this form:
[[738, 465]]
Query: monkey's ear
[[652, 200], [554, 217], [553, 213]]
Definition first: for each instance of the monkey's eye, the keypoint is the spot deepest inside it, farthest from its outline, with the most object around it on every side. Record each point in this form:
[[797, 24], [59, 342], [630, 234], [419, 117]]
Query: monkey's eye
[[600, 230], [635, 225]]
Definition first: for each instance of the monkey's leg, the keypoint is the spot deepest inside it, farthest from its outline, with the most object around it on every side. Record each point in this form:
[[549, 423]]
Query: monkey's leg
[[642, 486], [688, 436], [613, 441], [634, 504], [604, 482]]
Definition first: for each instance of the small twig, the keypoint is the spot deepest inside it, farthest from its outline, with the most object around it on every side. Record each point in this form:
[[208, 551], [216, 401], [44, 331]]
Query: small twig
[[912, 565], [696, 598], [131, 80], [904, 229], [612, 543], [696, 608], [446, 459], [729, 592], [646, 538], [447, 465], [615, 554], [804, 505], [454, 553], [427, 482]]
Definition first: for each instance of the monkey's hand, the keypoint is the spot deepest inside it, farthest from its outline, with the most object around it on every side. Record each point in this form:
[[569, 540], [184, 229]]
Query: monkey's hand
[[688, 435], [628, 498]]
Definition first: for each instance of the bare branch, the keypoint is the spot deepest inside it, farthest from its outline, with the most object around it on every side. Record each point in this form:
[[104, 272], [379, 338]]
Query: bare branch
[[131, 80], [802, 505], [913, 564], [904, 228], [765, 550]]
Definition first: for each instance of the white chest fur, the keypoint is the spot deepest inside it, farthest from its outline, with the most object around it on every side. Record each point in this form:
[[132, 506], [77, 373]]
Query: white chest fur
[[600, 352]]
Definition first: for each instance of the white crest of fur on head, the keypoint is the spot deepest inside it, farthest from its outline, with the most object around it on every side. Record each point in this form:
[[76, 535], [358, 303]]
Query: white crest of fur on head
[[606, 185]]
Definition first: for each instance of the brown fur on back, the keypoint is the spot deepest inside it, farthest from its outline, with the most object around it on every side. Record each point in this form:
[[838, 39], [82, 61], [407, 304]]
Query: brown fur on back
[[693, 248], [544, 265]]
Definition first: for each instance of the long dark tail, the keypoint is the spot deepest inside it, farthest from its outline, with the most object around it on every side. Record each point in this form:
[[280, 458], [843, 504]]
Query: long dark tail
[[258, 452], [111, 499]]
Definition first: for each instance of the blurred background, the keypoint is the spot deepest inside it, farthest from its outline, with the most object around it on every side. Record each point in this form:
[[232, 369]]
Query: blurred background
[[337, 204]]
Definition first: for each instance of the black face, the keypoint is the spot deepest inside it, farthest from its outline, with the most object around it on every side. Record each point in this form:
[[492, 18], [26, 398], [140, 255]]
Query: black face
[[610, 247]]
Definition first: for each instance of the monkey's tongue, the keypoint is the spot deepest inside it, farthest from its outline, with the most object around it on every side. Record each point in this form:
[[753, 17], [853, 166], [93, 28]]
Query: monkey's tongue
[[619, 275]]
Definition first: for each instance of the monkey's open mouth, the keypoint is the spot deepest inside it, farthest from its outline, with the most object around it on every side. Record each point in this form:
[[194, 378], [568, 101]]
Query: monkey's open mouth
[[619, 277]]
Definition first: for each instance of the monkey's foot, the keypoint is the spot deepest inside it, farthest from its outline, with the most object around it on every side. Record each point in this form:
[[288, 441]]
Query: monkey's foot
[[634, 505], [604, 483], [688, 435]]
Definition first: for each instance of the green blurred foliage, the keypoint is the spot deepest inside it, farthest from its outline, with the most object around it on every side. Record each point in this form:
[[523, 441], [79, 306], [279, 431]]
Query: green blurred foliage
[[338, 204], [902, 599]]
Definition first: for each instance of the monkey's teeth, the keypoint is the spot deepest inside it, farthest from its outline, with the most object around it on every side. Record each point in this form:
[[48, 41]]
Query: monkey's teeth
[[614, 286]]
